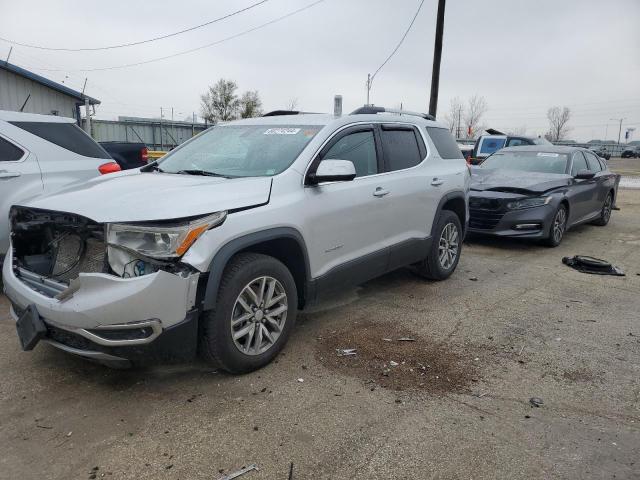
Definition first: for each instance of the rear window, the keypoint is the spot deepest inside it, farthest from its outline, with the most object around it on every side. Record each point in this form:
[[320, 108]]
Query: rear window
[[401, 148], [491, 145], [66, 135], [9, 152], [445, 143]]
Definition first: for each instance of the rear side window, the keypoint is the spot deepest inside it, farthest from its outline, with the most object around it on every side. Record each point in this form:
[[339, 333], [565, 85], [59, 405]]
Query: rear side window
[[489, 145], [400, 147], [579, 163], [445, 143], [516, 142], [65, 135], [592, 160], [9, 152]]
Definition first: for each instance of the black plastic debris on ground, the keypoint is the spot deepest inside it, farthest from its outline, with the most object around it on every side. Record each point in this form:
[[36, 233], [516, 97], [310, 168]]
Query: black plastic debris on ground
[[592, 265]]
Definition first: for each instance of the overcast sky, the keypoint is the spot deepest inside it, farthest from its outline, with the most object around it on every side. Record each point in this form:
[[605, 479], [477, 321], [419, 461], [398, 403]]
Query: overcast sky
[[523, 56]]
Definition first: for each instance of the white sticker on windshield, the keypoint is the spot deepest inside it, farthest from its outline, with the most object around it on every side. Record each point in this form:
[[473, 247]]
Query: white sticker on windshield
[[281, 131], [544, 154]]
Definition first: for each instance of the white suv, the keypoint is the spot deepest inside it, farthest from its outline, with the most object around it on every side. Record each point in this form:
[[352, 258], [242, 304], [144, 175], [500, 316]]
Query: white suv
[[216, 246], [40, 154]]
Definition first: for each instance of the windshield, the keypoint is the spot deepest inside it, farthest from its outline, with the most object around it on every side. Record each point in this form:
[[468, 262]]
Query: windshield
[[241, 150], [541, 162]]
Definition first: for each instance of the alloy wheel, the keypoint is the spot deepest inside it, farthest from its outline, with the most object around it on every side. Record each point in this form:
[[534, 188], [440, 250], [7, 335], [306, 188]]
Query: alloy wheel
[[448, 246], [259, 315], [606, 209], [559, 223]]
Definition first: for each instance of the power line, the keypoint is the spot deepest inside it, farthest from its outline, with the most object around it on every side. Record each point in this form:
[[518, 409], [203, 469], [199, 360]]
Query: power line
[[184, 52], [399, 43], [131, 44]]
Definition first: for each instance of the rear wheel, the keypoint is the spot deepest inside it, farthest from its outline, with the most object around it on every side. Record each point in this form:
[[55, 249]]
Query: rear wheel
[[558, 227], [254, 314], [605, 213], [446, 246]]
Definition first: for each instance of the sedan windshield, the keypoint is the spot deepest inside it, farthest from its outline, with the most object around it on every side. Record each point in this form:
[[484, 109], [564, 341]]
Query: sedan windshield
[[541, 162], [241, 150]]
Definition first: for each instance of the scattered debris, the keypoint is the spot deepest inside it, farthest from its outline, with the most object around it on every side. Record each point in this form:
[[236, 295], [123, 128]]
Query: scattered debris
[[291, 471], [346, 352], [301, 380], [473, 279], [69, 434], [521, 350], [592, 265], [406, 339], [536, 402], [388, 339], [393, 364], [240, 472]]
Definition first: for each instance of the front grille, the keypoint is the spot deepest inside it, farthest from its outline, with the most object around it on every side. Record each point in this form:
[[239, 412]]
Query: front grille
[[483, 219]]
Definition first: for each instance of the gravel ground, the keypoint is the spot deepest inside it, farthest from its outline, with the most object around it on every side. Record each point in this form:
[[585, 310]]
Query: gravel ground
[[511, 324]]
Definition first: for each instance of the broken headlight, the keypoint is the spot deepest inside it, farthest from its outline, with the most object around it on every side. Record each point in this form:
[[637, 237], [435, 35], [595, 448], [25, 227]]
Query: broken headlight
[[161, 242], [528, 203]]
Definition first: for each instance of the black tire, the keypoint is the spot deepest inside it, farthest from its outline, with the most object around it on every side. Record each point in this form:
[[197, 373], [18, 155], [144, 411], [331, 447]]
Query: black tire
[[217, 345], [555, 238], [431, 267], [605, 212]]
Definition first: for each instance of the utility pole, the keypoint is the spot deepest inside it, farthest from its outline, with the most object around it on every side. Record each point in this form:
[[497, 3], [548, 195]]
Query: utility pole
[[620, 129], [368, 87], [87, 123], [161, 141], [437, 55], [459, 118]]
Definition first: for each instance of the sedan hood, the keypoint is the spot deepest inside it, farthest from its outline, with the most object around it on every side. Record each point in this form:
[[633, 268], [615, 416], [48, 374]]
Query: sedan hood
[[133, 196], [516, 181]]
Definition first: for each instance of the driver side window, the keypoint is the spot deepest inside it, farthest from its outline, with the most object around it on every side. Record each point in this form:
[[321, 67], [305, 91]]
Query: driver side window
[[359, 148], [579, 163]]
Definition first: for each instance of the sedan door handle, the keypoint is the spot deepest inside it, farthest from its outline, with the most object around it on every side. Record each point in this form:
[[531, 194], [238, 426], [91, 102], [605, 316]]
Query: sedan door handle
[[5, 174], [380, 192], [436, 182]]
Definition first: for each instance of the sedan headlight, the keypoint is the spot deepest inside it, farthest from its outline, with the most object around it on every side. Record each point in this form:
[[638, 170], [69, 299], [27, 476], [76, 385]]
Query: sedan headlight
[[161, 241], [528, 203]]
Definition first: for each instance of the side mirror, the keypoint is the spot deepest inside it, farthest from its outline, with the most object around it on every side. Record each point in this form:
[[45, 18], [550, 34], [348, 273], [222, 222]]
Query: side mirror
[[584, 175], [333, 171]]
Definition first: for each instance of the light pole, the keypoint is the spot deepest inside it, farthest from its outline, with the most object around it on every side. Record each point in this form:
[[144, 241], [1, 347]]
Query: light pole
[[620, 128], [437, 55]]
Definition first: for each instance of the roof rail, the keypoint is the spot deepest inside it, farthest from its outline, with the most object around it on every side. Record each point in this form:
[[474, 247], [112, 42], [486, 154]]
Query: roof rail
[[277, 113], [372, 110]]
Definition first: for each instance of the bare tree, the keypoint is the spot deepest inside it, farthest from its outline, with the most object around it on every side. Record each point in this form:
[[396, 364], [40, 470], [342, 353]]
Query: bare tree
[[453, 118], [292, 104], [558, 120], [220, 103], [518, 131], [476, 108], [250, 104]]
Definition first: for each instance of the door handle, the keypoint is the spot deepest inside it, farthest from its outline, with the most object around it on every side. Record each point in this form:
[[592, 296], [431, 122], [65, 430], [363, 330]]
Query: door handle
[[380, 192], [436, 182], [5, 174]]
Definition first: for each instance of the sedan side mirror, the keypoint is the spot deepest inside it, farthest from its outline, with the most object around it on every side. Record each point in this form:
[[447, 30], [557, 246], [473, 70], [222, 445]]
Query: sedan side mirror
[[584, 175], [333, 171]]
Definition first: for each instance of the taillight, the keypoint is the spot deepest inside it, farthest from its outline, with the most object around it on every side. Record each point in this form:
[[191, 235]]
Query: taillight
[[110, 167], [144, 154]]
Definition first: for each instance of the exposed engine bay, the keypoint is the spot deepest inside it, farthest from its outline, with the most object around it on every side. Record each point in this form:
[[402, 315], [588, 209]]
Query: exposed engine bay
[[58, 246]]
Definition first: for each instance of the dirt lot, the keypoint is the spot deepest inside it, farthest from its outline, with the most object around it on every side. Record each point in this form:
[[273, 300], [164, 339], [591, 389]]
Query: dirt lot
[[450, 400]]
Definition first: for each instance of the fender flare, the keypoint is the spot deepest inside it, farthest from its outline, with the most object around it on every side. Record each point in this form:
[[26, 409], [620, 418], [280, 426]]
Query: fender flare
[[450, 196], [229, 249]]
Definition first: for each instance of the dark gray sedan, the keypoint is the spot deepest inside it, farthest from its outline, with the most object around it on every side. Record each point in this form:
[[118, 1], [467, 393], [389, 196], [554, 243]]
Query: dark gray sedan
[[539, 192]]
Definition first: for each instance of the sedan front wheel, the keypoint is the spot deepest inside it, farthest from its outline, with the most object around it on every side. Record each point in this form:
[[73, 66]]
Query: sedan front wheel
[[558, 227]]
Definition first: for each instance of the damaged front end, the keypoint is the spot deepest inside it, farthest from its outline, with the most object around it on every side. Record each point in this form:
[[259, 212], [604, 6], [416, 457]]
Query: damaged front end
[[105, 288]]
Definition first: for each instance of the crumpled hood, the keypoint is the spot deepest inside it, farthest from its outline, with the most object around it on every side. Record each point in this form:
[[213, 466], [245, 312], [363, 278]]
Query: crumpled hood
[[516, 181], [133, 196]]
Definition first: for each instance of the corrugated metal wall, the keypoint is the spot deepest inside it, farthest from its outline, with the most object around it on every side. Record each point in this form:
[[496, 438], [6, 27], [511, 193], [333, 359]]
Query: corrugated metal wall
[[155, 134], [15, 89]]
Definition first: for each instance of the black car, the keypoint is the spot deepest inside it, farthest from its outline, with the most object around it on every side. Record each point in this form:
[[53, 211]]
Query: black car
[[487, 144], [539, 192], [631, 152]]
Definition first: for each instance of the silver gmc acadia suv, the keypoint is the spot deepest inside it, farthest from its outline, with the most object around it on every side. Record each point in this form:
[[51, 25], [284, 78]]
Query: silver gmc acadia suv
[[215, 247]]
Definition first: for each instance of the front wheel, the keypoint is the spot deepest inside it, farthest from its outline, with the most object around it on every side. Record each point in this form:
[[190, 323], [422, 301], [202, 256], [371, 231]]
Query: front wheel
[[558, 227], [254, 314], [445, 250], [605, 212]]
